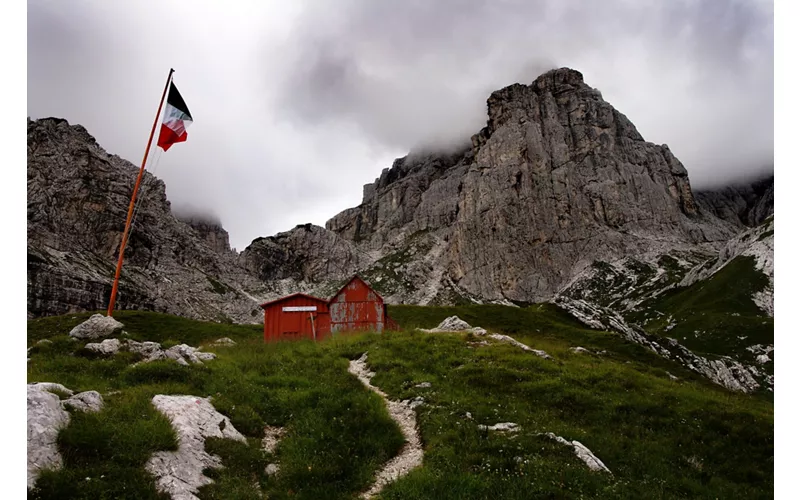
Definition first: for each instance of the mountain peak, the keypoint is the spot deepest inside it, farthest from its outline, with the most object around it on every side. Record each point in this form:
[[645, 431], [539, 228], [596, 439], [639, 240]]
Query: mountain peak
[[558, 77]]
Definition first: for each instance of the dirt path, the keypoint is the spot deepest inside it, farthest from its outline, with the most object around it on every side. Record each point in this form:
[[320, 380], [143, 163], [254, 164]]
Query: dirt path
[[410, 455]]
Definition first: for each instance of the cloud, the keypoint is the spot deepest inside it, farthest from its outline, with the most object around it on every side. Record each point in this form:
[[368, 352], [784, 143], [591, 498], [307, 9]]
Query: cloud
[[298, 104], [694, 74]]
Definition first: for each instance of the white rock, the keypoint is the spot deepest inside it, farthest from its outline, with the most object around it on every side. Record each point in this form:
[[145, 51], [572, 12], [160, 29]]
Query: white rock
[[582, 452], [423, 385], [96, 327], [46, 418], [271, 469], [180, 473], [578, 350], [510, 340], [183, 354], [108, 347], [589, 458], [453, 324], [50, 386], [147, 349], [205, 356], [762, 358], [272, 435], [223, 342], [501, 427], [90, 401], [413, 403]]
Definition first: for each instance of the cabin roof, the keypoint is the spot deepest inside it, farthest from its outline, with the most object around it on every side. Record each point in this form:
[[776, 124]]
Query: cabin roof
[[294, 295], [359, 278]]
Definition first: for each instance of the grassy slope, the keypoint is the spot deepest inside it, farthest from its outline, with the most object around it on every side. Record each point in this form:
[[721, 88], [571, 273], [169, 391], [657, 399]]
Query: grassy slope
[[662, 439], [717, 315], [339, 433]]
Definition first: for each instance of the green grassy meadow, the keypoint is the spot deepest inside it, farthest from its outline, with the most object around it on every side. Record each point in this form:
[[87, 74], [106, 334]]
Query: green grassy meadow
[[660, 438]]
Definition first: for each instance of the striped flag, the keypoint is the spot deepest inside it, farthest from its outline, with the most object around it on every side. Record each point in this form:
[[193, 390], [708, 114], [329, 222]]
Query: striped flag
[[176, 120]]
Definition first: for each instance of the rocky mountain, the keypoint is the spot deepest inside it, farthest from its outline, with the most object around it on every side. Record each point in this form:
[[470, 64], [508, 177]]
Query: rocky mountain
[[714, 315], [745, 204], [556, 180], [210, 230], [78, 197]]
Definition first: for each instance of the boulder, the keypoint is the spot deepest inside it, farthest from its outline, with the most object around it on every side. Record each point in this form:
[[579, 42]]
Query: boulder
[[151, 351], [108, 347], [96, 327], [453, 324], [90, 401], [183, 354]]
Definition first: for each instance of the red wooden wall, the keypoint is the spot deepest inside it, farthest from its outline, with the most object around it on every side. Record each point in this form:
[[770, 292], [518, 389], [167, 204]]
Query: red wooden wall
[[283, 322], [356, 307]]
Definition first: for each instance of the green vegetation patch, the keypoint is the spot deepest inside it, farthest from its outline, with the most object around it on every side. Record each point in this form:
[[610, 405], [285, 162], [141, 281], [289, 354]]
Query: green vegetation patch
[[716, 315]]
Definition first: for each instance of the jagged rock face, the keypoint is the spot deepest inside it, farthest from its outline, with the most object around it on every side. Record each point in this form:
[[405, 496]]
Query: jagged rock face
[[747, 204], [78, 197], [306, 253], [407, 194], [556, 180], [210, 231]]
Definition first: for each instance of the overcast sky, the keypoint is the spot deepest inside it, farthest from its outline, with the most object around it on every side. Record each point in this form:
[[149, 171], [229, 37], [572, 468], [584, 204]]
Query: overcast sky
[[298, 104]]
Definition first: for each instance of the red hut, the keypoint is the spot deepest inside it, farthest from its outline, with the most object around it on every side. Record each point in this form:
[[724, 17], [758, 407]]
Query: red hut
[[296, 316], [356, 306]]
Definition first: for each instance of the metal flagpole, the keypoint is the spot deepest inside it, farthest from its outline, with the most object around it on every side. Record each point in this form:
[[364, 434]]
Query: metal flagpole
[[133, 200]]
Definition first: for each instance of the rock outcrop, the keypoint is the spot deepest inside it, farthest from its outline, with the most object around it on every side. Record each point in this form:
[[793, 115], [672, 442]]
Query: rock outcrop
[[582, 452], [78, 198], [47, 415], [180, 473], [152, 351], [46, 418], [746, 204], [210, 231]]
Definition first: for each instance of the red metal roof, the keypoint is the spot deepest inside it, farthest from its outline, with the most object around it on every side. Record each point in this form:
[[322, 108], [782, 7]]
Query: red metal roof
[[265, 304], [356, 277]]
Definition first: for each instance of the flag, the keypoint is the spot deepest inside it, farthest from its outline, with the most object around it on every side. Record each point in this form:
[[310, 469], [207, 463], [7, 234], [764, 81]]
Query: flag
[[176, 120]]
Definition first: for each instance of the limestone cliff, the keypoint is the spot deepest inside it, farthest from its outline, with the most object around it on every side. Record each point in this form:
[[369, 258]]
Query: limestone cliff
[[556, 180]]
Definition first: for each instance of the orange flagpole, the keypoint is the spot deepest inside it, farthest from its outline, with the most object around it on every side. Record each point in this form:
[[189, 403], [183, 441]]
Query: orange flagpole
[[133, 200]]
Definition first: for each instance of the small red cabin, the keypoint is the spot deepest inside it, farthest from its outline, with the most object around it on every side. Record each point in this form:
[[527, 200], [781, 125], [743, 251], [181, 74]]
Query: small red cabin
[[356, 306]]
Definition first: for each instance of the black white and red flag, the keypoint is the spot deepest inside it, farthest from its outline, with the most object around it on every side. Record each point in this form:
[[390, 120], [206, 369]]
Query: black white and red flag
[[176, 120]]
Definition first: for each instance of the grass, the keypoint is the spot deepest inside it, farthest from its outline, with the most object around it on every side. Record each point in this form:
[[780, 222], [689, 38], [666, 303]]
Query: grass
[[661, 438], [717, 315], [338, 433]]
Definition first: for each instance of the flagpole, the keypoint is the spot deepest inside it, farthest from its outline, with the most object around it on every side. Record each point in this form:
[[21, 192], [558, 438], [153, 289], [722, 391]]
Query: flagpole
[[133, 200]]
